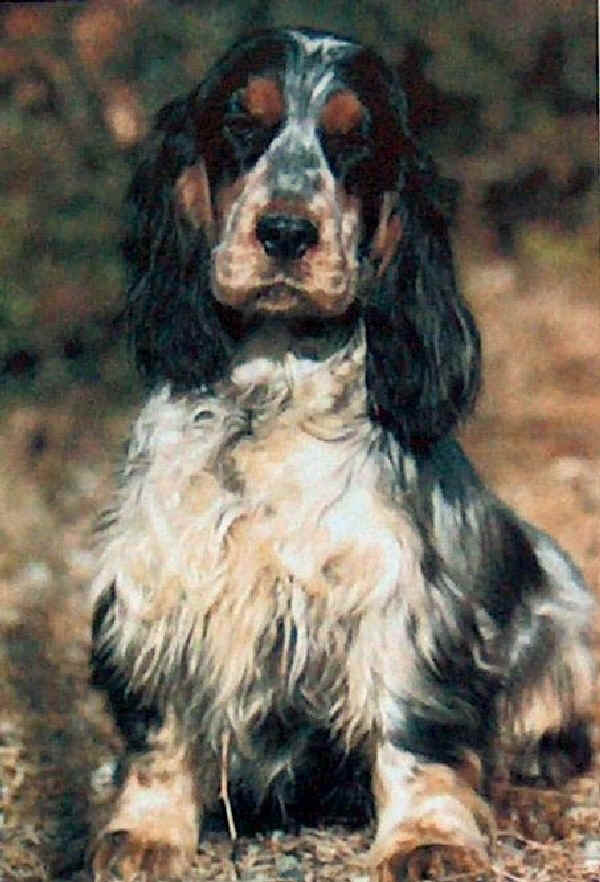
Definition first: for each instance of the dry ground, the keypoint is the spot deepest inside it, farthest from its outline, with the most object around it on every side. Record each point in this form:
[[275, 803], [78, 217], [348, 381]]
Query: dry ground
[[535, 437]]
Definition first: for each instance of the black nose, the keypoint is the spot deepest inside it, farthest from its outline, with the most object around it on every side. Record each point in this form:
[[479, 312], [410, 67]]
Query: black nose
[[286, 236]]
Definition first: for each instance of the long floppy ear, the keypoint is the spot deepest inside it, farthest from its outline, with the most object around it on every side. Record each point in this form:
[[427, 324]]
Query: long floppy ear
[[173, 323], [423, 349]]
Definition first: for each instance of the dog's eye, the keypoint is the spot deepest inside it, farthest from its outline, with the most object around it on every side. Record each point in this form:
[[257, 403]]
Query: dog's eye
[[344, 151], [248, 136], [241, 128]]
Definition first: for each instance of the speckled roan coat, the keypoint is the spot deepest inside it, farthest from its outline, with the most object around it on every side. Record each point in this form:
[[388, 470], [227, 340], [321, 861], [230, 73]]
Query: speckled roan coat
[[300, 553]]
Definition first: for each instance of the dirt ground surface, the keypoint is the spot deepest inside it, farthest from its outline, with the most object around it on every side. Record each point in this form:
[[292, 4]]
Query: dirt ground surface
[[536, 439]]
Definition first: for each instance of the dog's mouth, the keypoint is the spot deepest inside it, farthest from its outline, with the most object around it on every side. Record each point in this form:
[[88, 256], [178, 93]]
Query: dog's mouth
[[280, 297], [285, 296]]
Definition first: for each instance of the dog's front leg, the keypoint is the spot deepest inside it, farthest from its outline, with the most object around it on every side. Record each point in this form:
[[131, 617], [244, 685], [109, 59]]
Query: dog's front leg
[[426, 812], [153, 828]]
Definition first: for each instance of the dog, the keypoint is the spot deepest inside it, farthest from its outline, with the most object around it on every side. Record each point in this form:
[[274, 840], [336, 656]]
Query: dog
[[301, 556]]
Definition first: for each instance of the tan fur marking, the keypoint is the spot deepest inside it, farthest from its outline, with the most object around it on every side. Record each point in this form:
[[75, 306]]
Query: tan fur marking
[[420, 860], [225, 199], [323, 282], [547, 705], [192, 195], [342, 113], [423, 805], [263, 100], [155, 821]]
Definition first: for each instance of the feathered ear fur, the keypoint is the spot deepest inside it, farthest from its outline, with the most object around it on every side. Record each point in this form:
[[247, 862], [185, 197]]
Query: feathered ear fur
[[423, 349], [178, 331], [175, 329]]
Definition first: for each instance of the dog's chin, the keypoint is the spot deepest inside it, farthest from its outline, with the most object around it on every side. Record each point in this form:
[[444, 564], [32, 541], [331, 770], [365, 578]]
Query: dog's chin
[[286, 301], [289, 301], [281, 299]]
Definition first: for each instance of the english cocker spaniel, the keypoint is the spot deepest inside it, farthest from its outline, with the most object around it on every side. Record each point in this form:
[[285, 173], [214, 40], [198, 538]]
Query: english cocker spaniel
[[301, 557]]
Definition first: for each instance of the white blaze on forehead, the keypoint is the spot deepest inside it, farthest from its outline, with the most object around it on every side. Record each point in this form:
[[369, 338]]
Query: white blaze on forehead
[[307, 90], [321, 89], [299, 132], [296, 160], [328, 45], [309, 80]]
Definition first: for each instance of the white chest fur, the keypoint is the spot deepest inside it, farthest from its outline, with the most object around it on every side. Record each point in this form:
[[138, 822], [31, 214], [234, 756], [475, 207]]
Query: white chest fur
[[257, 546]]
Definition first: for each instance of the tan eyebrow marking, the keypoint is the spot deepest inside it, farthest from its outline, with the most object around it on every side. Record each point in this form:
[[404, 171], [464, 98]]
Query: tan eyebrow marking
[[342, 113], [263, 100]]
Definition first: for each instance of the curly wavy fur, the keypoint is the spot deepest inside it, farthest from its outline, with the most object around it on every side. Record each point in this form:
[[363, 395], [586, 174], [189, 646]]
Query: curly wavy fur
[[301, 558]]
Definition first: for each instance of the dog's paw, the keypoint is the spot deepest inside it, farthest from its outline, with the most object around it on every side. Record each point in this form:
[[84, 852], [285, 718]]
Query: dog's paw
[[455, 838], [121, 854], [430, 818], [433, 862], [153, 831]]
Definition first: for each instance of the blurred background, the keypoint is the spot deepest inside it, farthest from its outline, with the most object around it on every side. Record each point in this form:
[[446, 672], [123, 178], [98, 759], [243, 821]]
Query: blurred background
[[504, 95]]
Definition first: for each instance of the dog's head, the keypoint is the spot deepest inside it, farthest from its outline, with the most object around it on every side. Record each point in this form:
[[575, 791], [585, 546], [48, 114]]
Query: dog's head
[[287, 184]]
